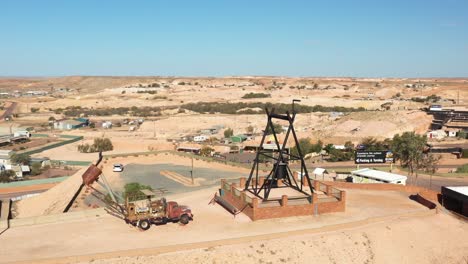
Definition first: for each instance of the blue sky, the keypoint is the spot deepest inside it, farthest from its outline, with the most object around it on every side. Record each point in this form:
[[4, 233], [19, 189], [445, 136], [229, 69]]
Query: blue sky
[[411, 38]]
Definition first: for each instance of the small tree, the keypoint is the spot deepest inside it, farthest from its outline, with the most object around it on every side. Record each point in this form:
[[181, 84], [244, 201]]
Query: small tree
[[250, 129], [228, 133], [206, 151], [132, 190], [36, 168], [22, 159], [277, 127], [349, 145], [7, 175], [102, 144], [408, 148]]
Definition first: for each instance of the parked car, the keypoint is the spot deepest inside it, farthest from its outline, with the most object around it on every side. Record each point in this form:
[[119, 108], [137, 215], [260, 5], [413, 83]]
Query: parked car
[[118, 168]]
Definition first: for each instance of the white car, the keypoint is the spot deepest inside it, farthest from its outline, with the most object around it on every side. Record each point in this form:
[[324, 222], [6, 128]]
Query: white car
[[118, 168]]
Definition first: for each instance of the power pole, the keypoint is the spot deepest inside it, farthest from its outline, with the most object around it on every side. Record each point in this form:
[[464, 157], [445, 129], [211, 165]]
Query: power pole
[[191, 172]]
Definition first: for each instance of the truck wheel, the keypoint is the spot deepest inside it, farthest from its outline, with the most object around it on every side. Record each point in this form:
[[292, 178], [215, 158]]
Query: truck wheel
[[184, 219], [144, 224]]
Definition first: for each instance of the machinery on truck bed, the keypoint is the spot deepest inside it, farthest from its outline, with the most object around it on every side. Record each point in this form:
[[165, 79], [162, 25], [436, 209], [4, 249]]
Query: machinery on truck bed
[[141, 213]]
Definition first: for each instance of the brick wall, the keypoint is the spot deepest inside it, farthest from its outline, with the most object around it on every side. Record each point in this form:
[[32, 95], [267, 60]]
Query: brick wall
[[426, 193]]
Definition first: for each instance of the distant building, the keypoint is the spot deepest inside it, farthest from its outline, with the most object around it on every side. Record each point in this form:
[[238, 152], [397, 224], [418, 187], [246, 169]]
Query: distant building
[[187, 149], [435, 108], [107, 124], [436, 134], [36, 93], [374, 176], [238, 138], [5, 157], [71, 124], [200, 138]]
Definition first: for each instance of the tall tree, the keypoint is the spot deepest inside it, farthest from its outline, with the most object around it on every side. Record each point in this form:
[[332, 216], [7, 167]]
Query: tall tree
[[228, 133], [409, 149]]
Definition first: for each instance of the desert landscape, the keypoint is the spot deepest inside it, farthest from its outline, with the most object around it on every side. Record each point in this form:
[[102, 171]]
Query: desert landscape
[[233, 132], [151, 139]]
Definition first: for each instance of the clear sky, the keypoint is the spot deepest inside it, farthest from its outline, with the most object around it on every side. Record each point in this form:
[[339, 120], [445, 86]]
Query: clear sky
[[378, 38]]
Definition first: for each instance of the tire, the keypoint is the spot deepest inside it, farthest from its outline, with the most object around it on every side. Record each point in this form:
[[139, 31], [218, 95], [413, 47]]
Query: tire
[[144, 224], [184, 219]]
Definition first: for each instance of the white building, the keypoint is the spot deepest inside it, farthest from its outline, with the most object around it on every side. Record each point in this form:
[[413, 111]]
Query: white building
[[200, 138], [374, 176], [5, 157], [436, 134], [107, 124]]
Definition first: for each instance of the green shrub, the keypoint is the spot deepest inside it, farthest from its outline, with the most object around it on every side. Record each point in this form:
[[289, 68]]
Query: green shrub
[[233, 108], [463, 169], [256, 95]]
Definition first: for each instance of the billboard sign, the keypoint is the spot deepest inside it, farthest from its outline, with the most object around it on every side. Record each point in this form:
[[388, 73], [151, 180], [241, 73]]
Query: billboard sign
[[373, 157]]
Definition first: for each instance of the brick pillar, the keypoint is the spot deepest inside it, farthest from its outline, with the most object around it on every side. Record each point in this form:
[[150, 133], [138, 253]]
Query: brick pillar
[[242, 181], [254, 203], [314, 198], [233, 186], [222, 183], [296, 175], [284, 200], [328, 189], [304, 181], [316, 185], [261, 179], [243, 199]]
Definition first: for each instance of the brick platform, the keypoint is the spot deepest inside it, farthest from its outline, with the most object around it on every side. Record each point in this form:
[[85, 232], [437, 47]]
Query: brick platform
[[334, 201]]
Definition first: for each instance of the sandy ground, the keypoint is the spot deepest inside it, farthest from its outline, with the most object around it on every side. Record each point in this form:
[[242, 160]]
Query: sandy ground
[[212, 223], [52, 201], [405, 240]]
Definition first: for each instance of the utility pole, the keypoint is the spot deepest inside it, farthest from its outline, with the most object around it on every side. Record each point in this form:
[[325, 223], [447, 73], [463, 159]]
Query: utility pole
[[191, 172]]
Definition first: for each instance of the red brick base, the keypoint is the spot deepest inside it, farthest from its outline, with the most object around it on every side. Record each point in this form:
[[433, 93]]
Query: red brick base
[[250, 206]]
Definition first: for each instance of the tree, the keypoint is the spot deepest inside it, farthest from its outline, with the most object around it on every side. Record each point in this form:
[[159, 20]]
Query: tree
[[349, 145], [36, 168], [51, 119], [7, 175], [132, 190], [250, 129], [22, 159], [429, 163], [409, 148], [102, 144], [277, 127], [305, 145], [206, 151], [228, 133]]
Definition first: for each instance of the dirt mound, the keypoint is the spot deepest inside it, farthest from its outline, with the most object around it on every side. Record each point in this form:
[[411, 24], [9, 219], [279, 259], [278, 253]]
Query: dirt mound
[[52, 201]]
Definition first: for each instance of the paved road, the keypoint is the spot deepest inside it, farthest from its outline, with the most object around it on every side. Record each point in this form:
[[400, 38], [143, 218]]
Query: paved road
[[17, 194], [8, 111]]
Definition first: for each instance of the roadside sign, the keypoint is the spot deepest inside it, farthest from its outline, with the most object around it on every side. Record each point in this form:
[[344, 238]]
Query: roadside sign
[[373, 157]]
